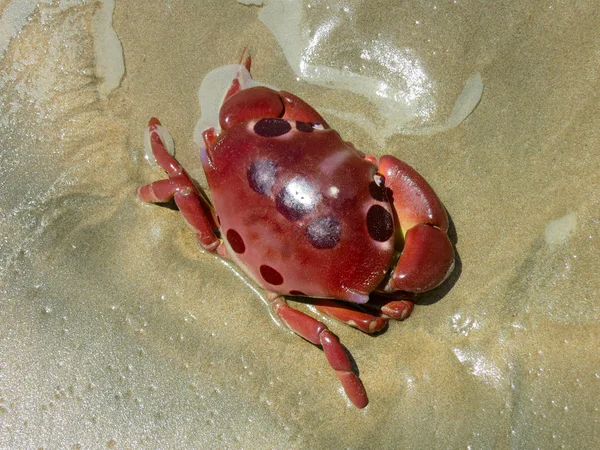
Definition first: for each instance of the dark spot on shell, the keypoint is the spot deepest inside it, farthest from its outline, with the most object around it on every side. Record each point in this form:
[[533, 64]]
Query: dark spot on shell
[[380, 223], [379, 193], [297, 198], [270, 275], [262, 174], [272, 127], [236, 241], [304, 126], [294, 292], [324, 233]]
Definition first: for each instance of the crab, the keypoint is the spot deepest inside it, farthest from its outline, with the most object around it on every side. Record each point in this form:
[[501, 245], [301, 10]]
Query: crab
[[305, 214]]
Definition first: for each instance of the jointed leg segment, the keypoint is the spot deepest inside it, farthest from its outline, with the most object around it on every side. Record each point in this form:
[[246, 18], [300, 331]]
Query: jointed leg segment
[[317, 333], [179, 187]]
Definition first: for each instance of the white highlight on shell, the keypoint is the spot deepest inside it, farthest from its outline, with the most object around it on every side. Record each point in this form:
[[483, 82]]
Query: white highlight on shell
[[559, 231], [333, 162], [300, 194], [333, 191]]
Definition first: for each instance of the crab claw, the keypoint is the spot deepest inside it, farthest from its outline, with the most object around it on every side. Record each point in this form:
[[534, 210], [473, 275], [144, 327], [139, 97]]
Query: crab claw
[[251, 103], [428, 256], [298, 109], [426, 261], [259, 102]]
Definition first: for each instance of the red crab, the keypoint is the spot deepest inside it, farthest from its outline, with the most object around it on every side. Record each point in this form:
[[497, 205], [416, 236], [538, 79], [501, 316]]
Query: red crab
[[304, 213]]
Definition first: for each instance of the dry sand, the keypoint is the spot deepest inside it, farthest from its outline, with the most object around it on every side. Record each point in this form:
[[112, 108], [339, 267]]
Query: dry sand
[[115, 331]]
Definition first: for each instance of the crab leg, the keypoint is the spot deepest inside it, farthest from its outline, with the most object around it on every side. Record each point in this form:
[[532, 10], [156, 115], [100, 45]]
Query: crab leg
[[246, 61], [351, 315], [428, 256], [179, 186], [317, 333], [370, 317], [391, 308]]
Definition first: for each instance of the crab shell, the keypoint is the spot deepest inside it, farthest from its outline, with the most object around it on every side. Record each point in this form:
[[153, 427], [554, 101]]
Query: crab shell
[[304, 213], [301, 211]]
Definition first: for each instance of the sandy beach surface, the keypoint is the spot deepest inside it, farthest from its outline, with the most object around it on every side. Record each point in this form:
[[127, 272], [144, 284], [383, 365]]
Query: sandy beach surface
[[115, 331]]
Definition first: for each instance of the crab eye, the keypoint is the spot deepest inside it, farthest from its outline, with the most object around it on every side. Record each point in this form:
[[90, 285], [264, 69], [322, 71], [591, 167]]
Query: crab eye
[[377, 188], [305, 127]]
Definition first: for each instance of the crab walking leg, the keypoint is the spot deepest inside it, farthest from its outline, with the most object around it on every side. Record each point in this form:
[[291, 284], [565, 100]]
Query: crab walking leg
[[160, 191], [428, 256], [246, 61], [391, 308], [179, 186], [350, 315], [370, 317], [397, 309], [317, 333]]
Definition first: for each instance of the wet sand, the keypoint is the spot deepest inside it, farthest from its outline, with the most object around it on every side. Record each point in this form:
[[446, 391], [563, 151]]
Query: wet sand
[[115, 330]]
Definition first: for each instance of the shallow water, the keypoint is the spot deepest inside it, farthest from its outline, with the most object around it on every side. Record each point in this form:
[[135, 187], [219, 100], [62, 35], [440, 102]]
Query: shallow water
[[115, 330]]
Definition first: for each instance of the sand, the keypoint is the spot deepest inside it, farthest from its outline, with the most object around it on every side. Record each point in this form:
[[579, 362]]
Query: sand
[[116, 331]]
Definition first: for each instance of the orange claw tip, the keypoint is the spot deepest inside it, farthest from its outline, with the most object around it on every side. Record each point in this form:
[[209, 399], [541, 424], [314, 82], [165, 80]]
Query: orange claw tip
[[153, 122]]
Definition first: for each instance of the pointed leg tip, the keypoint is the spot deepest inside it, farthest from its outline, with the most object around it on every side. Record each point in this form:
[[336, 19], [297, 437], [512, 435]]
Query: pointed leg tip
[[359, 399], [353, 388], [398, 309], [362, 404], [246, 58], [153, 122]]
